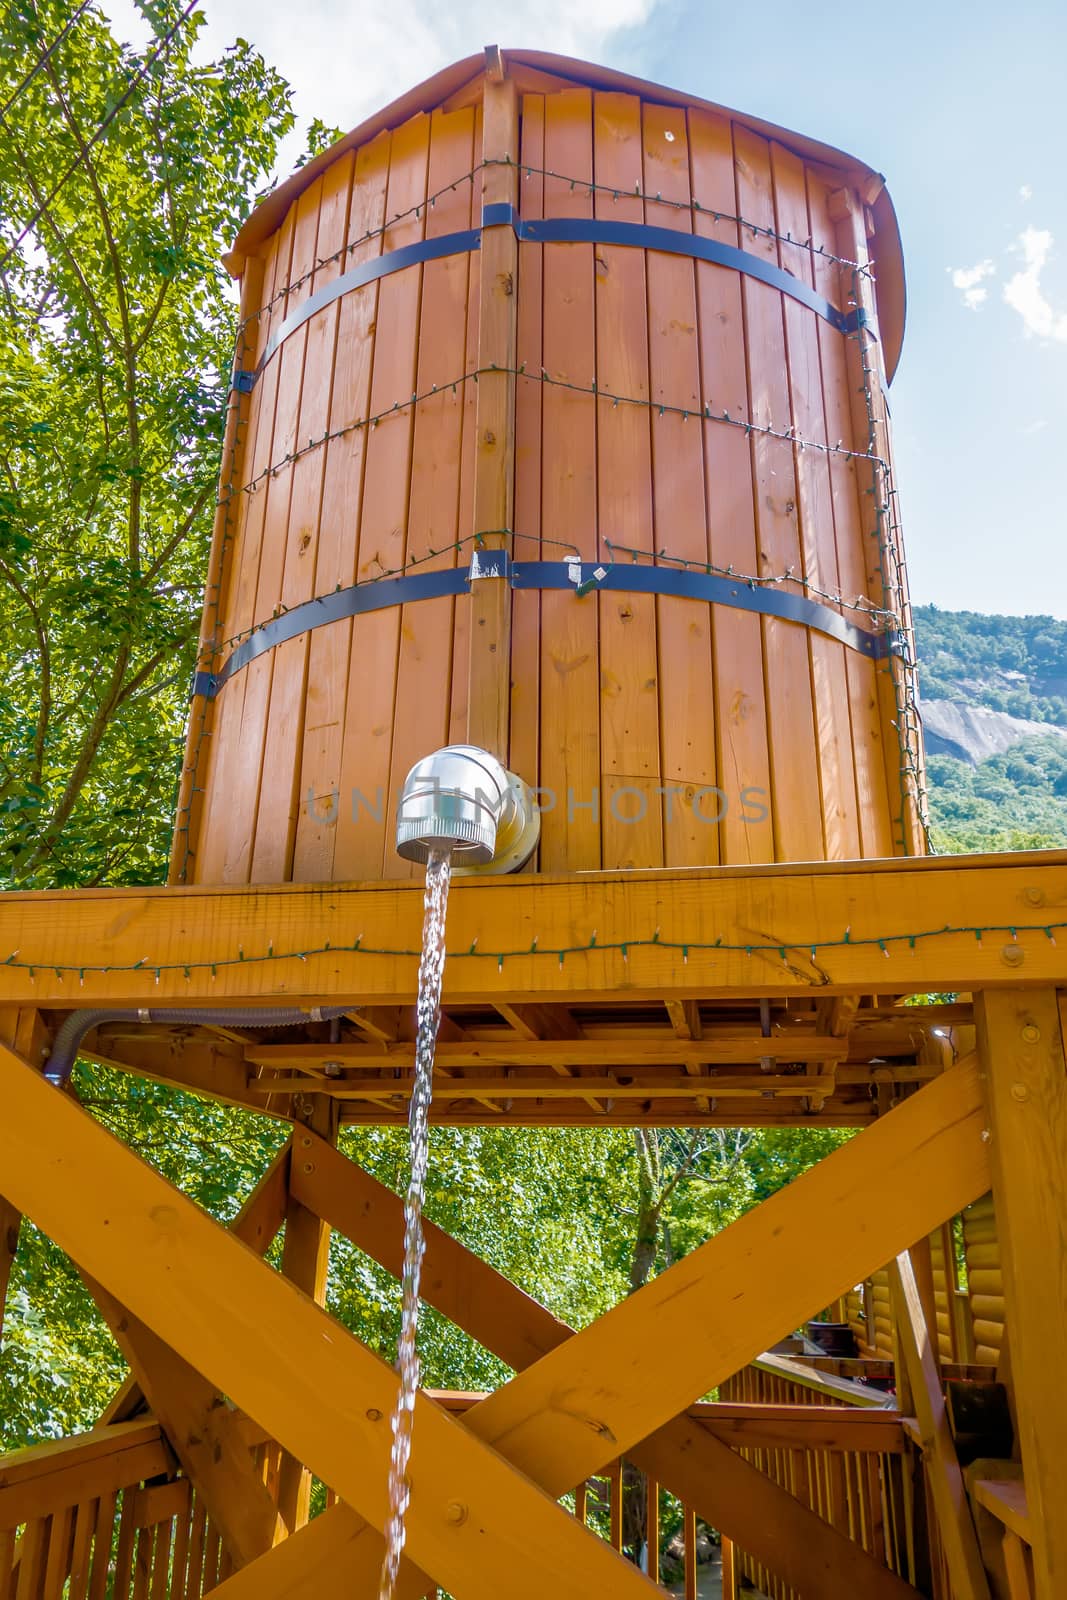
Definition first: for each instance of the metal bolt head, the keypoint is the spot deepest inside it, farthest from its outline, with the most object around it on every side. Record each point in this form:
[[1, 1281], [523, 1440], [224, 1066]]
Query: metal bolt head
[[1031, 1032], [456, 1513], [1013, 955], [1020, 1092], [1034, 896], [309, 1166], [374, 1415]]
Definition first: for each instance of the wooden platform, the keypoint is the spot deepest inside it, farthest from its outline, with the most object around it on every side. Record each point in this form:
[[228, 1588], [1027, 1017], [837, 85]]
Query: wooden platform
[[769, 996]]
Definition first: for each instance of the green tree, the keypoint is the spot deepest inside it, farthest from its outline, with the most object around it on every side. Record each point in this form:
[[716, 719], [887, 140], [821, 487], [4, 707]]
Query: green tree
[[116, 327]]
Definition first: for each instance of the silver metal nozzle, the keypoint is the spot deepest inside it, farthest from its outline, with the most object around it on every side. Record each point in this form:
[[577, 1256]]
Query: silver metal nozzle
[[462, 798]]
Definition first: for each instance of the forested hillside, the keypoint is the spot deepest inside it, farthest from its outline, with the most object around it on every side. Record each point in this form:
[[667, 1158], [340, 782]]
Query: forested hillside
[[994, 703]]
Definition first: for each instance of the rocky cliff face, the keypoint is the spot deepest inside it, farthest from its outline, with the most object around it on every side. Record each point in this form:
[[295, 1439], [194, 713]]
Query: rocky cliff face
[[972, 733]]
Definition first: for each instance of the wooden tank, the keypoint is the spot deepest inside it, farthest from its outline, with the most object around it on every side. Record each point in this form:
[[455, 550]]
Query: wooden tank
[[623, 353]]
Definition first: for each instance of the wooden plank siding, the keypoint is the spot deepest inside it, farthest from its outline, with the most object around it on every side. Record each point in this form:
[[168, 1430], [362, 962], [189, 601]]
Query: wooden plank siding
[[661, 731]]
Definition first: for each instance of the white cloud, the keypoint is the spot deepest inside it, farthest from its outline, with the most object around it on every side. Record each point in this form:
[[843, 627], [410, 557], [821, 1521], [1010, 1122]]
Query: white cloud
[[968, 280], [1024, 294], [345, 60], [1026, 193]]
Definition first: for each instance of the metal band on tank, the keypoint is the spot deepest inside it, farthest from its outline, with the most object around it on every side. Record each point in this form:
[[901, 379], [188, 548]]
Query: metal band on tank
[[577, 575], [559, 230]]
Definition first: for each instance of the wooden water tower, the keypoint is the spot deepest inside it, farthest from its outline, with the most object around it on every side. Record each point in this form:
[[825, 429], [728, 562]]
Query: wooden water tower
[[558, 428]]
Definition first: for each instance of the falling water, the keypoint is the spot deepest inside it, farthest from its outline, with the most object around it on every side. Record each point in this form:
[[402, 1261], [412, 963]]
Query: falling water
[[431, 970]]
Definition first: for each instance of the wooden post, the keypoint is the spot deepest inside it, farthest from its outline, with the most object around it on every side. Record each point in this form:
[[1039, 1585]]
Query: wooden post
[[494, 484], [1021, 1048], [955, 1526], [305, 1261], [10, 1221]]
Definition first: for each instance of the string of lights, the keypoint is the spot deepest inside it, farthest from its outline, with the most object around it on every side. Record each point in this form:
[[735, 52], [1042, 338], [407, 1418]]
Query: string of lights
[[885, 620], [576, 185], [146, 66], [887, 943], [902, 671], [701, 412]]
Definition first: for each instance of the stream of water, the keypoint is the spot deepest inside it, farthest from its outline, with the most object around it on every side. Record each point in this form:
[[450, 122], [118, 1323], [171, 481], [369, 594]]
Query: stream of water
[[431, 970]]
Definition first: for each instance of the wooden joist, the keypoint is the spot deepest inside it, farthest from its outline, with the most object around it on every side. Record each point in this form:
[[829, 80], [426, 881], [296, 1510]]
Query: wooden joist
[[723, 917]]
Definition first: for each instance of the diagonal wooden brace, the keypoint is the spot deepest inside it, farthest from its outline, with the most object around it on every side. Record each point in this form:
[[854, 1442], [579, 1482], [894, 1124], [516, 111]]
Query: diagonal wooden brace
[[272, 1351], [595, 1396], [684, 1456]]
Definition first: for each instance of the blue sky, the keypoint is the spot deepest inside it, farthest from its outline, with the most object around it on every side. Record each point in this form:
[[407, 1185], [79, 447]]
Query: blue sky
[[963, 109]]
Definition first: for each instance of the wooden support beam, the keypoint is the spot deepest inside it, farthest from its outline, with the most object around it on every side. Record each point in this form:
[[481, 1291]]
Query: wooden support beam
[[256, 1225], [722, 915], [305, 1262], [920, 1162], [540, 1086], [489, 684], [956, 1529], [741, 1049], [202, 1430], [1021, 1046], [283, 1360]]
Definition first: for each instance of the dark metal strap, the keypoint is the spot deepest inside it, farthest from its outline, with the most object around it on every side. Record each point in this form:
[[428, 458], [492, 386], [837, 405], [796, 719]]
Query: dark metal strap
[[582, 577], [588, 230], [560, 230]]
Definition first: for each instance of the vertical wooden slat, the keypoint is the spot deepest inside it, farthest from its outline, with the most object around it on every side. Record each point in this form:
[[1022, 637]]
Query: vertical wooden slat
[[743, 760], [524, 750], [489, 693], [328, 813], [818, 547], [304, 532], [180, 1556], [235, 794], [57, 1566], [384, 511], [614, 1486], [230, 510], [869, 429], [729, 1570], [631, 822], [7, 1560], [194, 1571], [124, 1551], [259, 778], [102, 1542], [687, 704], [847, 493], [652, 1527], [220, 771], [85, 1518], [798, 830], [161, 1562], [690, 1526], [143, 1544], [424, 678], [31, 1559], [458, 711], [570, 671]]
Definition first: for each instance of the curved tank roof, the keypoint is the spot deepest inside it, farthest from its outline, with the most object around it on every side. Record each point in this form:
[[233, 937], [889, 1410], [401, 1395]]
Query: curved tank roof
[[530, 64]]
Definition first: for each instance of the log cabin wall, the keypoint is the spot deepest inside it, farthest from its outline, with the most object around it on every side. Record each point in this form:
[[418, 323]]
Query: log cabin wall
[[670, 414]]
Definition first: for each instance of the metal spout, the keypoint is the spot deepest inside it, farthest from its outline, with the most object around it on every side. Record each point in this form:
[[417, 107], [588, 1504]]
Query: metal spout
[[462, 799]]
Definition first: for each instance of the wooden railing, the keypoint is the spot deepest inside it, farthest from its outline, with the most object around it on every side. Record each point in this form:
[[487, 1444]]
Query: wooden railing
[[102, 1516], [105, 1516], [865, 1495]]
